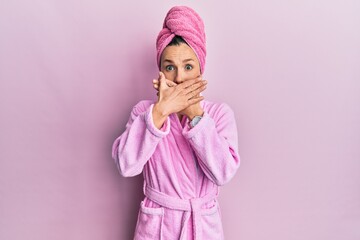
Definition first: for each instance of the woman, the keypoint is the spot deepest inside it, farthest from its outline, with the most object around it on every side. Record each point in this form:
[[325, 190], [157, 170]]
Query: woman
[[186, 147]]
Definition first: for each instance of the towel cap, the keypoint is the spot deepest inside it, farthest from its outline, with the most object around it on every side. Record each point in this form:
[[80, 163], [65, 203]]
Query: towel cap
[[183, 21]]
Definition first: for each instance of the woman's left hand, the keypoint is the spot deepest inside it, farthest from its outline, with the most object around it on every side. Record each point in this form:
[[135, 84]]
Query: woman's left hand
[[191, 111]]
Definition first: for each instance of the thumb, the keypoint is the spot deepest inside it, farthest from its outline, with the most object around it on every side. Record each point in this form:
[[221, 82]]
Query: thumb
[[170, 83], [162, 81]]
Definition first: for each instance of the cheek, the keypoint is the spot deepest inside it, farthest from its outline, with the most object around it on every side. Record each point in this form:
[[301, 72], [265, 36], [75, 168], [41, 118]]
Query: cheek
[[196, 73], [168, 75], [192, 74]]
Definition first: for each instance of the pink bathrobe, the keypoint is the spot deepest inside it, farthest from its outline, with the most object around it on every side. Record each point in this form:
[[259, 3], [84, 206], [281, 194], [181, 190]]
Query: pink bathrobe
[[182, 169]]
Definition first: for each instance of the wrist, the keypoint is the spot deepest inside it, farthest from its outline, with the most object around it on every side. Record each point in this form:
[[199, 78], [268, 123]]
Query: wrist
[[159, 115], [160, 110], [198, 112]]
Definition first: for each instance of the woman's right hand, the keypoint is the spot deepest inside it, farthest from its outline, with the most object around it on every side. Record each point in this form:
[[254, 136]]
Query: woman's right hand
[[173, 98]]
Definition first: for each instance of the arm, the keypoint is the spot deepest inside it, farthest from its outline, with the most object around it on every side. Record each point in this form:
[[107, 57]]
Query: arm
[[134, 147], [137, 144], [215, 144]]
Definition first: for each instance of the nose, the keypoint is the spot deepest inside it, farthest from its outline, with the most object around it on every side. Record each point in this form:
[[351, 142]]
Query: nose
[[179, 77]]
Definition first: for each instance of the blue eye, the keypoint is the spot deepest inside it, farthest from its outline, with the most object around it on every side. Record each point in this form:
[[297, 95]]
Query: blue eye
[[189, 67], [169, 67]]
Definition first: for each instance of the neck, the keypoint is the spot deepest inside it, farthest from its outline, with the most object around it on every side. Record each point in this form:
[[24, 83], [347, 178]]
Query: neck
[[179, 116]]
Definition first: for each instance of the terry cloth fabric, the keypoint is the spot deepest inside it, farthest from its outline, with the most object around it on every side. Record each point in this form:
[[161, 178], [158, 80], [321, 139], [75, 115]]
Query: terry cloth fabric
[[185, 22], [183, 168]]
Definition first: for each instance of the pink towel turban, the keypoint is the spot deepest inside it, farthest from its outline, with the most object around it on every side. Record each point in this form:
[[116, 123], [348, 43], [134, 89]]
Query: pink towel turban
[[185, 22]]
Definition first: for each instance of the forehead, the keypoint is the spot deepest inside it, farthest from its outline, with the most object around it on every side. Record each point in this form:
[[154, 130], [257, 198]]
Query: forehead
[[178, 53]]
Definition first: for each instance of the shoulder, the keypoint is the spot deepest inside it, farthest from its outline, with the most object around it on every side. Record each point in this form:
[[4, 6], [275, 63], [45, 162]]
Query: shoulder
[[216, 109], [221, 113], [142, 106]]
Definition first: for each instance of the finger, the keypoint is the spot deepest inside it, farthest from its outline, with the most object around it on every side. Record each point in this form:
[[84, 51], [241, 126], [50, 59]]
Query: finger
[[196, 92], [161, 75], [189, 82], [195, 86], [156, 84], [162, 81], [195, 100], [170, 83]]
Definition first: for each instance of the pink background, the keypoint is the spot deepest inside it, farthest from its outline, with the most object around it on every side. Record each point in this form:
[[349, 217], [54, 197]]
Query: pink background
[[71, 71]]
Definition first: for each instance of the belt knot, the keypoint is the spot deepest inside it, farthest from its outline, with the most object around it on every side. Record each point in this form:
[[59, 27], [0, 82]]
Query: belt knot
[[196, 204]]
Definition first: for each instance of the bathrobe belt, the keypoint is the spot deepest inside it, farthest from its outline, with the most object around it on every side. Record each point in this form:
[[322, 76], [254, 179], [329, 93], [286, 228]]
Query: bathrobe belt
[[190, 206]]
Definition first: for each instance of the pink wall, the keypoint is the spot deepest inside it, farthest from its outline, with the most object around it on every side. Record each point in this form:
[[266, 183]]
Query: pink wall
[[70, 72]]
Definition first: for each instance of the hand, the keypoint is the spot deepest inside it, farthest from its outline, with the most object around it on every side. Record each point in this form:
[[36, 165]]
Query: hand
[[156, 83], [193, 110], [174, 97], [179, 96]]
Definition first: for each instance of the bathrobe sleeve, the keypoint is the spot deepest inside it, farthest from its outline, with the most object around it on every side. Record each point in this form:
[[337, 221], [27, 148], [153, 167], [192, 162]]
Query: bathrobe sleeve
[[215, 143], [133, 148]]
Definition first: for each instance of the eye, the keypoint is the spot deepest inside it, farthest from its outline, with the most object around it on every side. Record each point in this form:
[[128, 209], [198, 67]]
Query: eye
[[188, 67], [169, 67]]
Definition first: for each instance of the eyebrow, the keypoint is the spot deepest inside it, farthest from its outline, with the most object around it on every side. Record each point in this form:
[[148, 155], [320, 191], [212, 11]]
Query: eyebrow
[[186, 60]]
